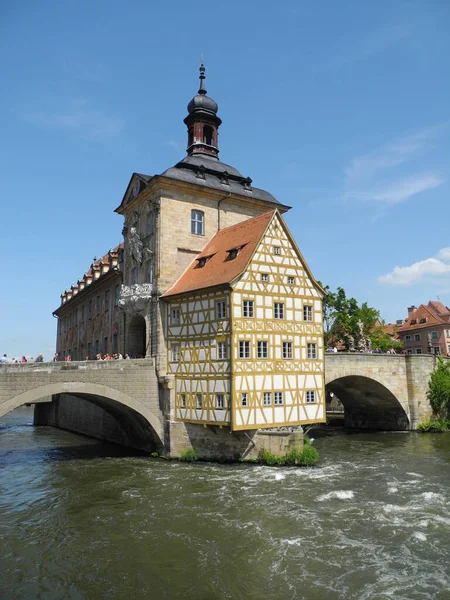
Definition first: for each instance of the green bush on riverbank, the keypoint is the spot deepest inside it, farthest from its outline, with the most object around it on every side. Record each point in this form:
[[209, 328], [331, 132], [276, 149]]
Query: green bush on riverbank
[[307, 457], [434, 425]]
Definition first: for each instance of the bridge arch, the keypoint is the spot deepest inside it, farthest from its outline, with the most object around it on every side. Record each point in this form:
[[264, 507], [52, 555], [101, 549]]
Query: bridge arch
[[136, 419], [368, 402]]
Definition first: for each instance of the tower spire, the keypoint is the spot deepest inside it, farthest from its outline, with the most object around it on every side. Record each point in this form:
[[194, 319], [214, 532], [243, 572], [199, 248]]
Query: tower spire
[[202, 77], [202, 121]]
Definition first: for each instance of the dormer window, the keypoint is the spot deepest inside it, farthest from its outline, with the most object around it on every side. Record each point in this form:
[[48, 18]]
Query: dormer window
[[277, 250], [423, 320], [224, 178], [233, 252], [201, 262], [247, 184], [197, 222], [413, 321], [200, 173]]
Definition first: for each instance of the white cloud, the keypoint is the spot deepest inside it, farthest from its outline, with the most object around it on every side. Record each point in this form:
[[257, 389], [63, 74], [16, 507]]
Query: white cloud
[[374, 177], [435, 267], [402, 190], [91, 124], [175, 145]]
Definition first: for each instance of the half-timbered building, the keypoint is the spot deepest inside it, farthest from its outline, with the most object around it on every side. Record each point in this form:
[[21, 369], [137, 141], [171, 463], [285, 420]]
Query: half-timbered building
[[245, 331]]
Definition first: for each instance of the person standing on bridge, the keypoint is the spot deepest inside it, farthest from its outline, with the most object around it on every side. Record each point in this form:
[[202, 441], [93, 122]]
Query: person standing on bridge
[[39, 358]]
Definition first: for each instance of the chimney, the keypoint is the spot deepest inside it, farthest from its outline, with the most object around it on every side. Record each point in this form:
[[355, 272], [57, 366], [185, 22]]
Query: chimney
[[411, 309]]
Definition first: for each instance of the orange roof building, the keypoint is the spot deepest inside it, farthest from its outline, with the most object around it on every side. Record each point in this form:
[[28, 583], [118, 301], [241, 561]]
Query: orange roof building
[[245, 331], [427, 329]]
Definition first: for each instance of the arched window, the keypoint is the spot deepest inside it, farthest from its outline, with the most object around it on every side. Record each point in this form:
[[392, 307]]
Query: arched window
[[207, 135], [198, 222]]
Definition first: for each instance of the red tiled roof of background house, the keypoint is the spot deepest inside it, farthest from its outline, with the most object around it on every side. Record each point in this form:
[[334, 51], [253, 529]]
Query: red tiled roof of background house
[[391, 330], [440, 309], [219, 268], [104, 258], [424, 312]]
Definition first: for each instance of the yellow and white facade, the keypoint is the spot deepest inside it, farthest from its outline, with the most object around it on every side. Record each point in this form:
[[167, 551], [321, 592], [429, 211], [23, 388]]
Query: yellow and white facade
[[248, 353]]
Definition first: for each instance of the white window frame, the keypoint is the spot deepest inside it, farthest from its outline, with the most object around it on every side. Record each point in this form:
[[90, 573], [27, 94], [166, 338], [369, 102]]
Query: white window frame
[[435, 335], [287, 350], [175, 315], [264, 277], [220, 401], [244, 399], [310, 397], [308, 314], [267, 398], [263, 349], [248, 309], [407, 338], [197, 222], [278, 310], [175, 353], [244, 349], [222, 351], [182, 400], [221, 309], [278, 398], [199, 399], [291, 280], [417, 337], [311, 348], [277, 250], [418, 350]]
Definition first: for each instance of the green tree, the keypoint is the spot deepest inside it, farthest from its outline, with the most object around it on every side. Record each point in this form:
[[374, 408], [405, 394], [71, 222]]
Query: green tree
[[353, 325], [439, 389]]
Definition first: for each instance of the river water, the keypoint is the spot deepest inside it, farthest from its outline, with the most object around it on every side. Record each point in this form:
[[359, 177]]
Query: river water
[[81, 519]]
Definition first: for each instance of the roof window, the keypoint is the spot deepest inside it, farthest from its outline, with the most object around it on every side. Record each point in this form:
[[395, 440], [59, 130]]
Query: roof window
[[200, 172], [201, 262], [423, 320], [233, 252], [413, 321], [247, 184]]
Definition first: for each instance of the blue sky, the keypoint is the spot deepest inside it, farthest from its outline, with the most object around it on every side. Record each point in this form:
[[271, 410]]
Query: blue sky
[[340, 109]]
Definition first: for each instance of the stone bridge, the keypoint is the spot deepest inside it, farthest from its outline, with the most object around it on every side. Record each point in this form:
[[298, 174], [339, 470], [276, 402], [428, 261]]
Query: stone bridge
[[381, 391], [123, 401], [124, 390]]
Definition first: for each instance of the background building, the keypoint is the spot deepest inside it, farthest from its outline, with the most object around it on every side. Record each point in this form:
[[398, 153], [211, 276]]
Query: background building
[[427, 329]]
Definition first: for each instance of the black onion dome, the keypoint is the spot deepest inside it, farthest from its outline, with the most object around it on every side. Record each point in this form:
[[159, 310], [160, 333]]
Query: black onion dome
[[202, 102]]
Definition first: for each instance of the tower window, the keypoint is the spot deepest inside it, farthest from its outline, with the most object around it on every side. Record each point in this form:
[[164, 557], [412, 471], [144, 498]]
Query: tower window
[[207, 135], [197, 222], [190, 137]]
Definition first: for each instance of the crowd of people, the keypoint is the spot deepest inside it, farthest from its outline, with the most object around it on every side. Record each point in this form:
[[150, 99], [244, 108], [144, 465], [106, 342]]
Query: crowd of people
[[15, 361], [99, 356]]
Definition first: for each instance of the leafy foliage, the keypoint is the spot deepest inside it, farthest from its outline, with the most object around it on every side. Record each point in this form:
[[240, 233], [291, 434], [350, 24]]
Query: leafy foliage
[[347, 321], [189, 455], [434, 425], [307, 457], [439, 389]]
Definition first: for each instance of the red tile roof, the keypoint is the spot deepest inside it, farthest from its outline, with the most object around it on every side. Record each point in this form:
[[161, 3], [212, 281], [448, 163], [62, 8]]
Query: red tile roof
[[435, 313], [219, 269]]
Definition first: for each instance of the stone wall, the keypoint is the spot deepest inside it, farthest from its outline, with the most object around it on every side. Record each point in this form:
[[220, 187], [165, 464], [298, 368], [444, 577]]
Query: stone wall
[[215, 443]]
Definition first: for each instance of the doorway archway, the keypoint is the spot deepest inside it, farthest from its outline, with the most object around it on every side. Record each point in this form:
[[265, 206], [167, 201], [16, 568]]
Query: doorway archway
[[137, 337]]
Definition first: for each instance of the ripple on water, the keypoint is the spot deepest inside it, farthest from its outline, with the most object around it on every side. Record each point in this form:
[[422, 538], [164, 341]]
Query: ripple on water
[[339, 494]]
